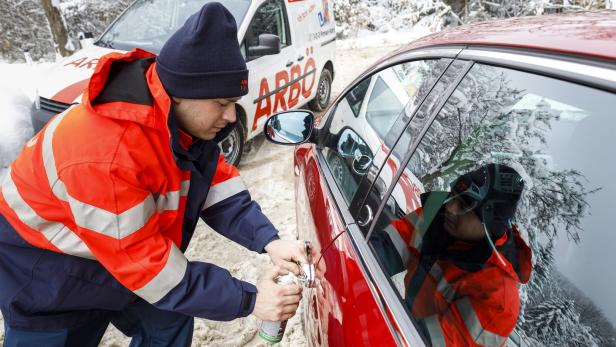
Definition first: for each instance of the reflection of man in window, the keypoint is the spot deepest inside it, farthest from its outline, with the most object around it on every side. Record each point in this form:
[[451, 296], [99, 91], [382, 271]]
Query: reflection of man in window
[[463, 259]]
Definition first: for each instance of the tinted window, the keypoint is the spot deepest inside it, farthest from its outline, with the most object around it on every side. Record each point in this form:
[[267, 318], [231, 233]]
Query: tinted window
[[511, 224], [148, 24], [369, 112]]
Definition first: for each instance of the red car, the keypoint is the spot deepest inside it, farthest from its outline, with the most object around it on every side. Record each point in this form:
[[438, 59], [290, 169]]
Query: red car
[[460, 192]]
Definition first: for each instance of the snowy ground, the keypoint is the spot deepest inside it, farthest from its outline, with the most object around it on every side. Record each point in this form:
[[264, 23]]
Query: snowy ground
[[266, 170]]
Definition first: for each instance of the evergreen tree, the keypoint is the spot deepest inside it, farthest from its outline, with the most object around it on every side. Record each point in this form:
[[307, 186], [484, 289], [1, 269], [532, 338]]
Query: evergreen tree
[[557, 323]]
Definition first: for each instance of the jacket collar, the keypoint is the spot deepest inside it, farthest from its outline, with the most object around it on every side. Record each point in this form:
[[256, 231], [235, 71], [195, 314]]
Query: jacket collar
[[151, 115]]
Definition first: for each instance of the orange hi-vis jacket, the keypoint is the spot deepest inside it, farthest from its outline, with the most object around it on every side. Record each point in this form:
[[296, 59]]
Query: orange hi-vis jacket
[[459, 304], [113, 182]]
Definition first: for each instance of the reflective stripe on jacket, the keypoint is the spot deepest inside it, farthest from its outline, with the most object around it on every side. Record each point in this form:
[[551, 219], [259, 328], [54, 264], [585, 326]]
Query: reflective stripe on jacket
[[456, 305], [113, 180]]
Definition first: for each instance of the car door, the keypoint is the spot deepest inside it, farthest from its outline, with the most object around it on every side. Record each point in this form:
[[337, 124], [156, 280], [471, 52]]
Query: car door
[[268, 82], [546, 130], [345, 302]]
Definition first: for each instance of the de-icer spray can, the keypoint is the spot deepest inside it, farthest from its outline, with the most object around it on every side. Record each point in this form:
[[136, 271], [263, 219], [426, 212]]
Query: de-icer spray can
[[272, 331]]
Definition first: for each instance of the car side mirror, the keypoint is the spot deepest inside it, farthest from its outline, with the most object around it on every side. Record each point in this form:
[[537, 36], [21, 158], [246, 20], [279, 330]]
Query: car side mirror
[[289, 128], [85, 38], [361, 163], [268, 44]]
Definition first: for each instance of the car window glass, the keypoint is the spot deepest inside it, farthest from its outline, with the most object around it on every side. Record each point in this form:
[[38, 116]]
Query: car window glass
[[384, 179], [370, 110], [509, 234], [270, 18], [356, 96], [147, 24]]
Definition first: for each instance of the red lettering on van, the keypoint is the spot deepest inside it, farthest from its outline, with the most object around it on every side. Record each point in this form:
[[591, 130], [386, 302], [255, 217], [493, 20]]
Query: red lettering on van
[[282, 101], [282, 78], [296, 87], [91, 64], [84, 63], [262, 110], [309, 68], [77, 62]]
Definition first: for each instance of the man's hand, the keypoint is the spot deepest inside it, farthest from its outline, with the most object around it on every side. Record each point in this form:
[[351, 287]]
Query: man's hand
[[285, 254], [276, 302]]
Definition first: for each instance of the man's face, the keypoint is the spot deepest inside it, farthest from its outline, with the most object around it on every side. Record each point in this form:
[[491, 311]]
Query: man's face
[[203, 118], [462, 225]]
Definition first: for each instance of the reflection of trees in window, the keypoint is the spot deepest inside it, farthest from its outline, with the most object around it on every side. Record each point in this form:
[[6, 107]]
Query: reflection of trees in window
[[267, 21], [562, 315], [557, 321], [483, 122]]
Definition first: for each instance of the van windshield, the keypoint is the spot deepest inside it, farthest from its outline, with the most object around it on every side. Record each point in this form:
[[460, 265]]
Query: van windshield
[[147, 24]]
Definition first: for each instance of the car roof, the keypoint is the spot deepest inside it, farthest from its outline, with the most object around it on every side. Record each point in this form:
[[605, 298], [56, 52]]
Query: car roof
[[589, 34]]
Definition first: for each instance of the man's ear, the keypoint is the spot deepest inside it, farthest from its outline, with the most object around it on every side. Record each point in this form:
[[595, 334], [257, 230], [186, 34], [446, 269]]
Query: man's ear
[[176, 100]]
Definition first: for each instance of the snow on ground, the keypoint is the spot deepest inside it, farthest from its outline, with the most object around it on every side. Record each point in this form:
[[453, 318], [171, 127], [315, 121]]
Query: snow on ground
[[16, 95], [266, 170]]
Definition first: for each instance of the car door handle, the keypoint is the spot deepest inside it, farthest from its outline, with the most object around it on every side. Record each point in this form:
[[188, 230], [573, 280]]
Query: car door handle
[[289, 63], [300, 58], [365, 216]]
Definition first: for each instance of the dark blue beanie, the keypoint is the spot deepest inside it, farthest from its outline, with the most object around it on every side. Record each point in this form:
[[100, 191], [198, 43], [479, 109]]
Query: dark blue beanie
[[202, 59]]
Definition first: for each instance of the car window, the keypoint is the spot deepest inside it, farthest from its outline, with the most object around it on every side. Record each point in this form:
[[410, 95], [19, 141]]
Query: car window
[[148, 24], [386, 176], [270, 18], [509, 237], [370, 109]]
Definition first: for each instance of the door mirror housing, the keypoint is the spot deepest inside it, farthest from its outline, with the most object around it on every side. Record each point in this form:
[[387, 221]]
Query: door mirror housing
[[85, 38], [269, 44], [289, 128]]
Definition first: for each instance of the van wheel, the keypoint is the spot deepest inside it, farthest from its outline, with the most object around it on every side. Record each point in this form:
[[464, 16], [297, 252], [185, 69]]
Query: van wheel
[[324, 92], [232, 146]]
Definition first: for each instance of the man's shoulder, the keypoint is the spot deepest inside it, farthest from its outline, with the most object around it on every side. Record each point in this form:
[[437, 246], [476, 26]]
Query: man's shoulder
[[97, 138]]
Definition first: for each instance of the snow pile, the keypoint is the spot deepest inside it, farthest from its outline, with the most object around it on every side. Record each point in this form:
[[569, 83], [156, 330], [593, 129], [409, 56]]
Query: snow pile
[[15, 126], [16, 97]]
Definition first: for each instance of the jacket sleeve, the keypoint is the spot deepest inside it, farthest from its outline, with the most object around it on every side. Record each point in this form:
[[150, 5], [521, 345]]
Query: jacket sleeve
[[485, 319], [230, 211], [117, 219]]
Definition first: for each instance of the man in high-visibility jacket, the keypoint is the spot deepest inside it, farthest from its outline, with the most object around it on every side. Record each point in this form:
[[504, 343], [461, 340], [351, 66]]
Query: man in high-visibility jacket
[[97, 210], [463, 259]]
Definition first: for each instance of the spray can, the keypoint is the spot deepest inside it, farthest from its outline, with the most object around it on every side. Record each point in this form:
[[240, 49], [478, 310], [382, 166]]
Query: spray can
[[272, 331]]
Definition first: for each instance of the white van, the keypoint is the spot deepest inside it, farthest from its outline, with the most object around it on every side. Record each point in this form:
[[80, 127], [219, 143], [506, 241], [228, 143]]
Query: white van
[[289, 46]]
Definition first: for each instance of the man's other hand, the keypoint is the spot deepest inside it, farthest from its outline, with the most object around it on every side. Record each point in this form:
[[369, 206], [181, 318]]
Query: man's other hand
[[276, 302], [286, 254]]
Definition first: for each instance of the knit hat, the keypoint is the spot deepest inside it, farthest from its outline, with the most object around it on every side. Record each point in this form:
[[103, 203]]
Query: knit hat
[[202, 59], [492, 192]]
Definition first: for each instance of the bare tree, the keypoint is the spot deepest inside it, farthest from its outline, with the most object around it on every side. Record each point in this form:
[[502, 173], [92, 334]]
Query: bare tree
[[58, 28]]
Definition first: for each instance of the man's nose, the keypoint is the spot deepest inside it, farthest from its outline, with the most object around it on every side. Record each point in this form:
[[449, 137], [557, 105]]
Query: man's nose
[[230, 113], [453, 206]]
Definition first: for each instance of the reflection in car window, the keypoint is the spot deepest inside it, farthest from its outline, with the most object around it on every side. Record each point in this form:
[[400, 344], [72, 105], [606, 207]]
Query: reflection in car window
[[411, 132], [356, 96], [370, 110], [270, 18], [383, 108], [148, 24], [523, 159]]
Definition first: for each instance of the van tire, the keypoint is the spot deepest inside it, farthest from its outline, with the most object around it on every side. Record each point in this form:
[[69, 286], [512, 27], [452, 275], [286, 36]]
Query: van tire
[[324, 92], [232, 146]]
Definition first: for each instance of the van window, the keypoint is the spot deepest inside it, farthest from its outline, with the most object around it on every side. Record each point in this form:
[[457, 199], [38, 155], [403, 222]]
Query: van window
[[147, 24], [270, 18]]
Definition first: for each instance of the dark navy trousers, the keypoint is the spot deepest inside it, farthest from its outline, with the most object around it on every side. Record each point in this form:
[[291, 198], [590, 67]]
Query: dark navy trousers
[[147, 325]]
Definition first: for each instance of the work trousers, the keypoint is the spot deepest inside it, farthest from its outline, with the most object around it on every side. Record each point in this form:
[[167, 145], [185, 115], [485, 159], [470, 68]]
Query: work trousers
[[144, 323]]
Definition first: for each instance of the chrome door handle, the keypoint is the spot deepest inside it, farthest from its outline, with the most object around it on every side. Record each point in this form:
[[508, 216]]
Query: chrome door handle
[[362, 222]]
